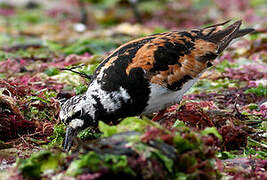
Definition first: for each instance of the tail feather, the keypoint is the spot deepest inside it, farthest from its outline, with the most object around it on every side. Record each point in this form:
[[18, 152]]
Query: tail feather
[[223, 37], [243, 32], [223, 34], [219, 24]]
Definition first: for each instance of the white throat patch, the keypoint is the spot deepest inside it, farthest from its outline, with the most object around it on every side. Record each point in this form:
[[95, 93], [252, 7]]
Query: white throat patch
[[75, 123]]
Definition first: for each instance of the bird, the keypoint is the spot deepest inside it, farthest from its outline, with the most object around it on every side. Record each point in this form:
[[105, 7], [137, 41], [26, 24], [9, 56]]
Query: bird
[[146, 75]]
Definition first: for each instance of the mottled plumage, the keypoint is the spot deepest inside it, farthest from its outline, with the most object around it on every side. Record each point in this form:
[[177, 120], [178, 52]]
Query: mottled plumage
[[146, 75]]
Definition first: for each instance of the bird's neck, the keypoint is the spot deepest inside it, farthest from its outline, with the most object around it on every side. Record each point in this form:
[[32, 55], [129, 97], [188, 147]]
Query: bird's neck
[[102, 103]]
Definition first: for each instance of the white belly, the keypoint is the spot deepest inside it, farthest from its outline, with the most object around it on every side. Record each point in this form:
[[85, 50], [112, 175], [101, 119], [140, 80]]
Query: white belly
[[161, 97]]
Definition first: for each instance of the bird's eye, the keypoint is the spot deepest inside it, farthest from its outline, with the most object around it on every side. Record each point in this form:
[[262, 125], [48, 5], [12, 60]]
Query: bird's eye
[[79, 113], [72, 115]]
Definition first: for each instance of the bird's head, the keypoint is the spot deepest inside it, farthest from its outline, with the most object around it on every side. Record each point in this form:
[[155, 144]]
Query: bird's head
[[74, 114]]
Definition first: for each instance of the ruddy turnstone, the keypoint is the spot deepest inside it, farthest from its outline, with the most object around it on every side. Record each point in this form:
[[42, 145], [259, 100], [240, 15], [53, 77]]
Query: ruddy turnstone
[[146, 75]]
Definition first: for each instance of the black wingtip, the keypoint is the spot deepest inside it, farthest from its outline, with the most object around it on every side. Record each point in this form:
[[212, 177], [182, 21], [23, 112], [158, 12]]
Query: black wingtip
[[224, 37], [226, 33], [243, 32]]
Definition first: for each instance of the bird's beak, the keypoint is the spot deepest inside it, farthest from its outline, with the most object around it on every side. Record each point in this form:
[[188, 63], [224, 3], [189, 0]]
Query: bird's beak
[[70, 134]]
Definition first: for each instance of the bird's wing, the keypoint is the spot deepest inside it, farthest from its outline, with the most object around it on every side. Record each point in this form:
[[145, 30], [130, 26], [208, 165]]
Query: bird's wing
[[173, 58], [168, 59]]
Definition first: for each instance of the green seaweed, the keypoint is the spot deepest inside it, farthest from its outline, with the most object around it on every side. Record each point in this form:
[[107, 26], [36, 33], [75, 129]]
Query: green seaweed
[[88, 133], [93, 46], [52, 71], [39, 163], [95, 162], [58, 135], [211, 130], [259, 90], [127, 124]]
